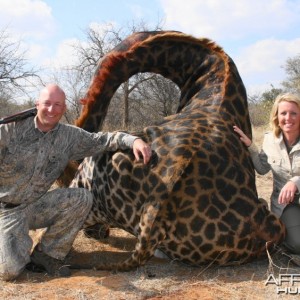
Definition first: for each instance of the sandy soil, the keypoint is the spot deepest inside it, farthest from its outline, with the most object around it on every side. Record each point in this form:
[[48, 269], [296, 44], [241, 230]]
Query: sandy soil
[[159, 279]]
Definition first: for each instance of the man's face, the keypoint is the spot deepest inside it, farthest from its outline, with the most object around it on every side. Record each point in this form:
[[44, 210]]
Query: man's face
[[50, 108]]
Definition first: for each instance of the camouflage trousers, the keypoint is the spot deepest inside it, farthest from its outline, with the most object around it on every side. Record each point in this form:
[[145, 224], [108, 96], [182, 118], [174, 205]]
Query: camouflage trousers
[[61, 212]]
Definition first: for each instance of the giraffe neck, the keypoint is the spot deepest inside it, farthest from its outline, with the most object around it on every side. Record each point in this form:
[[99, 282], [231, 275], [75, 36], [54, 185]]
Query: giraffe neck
[[206, 76]]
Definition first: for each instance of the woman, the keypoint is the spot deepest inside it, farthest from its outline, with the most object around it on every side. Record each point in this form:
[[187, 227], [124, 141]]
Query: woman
[[280, 153]]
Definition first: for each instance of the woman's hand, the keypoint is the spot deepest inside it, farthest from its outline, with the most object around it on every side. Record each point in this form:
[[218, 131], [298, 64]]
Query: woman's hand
[[287, 193], [243, 136]]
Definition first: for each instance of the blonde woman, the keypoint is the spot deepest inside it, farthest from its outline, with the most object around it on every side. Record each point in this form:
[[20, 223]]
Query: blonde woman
[[280, 154]]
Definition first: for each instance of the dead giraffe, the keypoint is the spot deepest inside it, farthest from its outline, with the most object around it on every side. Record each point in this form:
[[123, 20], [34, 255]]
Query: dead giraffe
[[197, 201]]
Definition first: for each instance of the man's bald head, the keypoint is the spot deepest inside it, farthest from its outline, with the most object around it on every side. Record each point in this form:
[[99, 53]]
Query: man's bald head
[[51, 106], [52, 90]]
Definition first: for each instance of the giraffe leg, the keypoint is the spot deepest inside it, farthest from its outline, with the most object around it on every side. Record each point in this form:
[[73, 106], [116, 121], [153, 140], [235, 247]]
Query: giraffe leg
[[148, 239]]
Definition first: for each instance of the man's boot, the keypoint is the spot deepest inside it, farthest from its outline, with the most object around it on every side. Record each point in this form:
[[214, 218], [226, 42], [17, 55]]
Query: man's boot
[[52, 266]]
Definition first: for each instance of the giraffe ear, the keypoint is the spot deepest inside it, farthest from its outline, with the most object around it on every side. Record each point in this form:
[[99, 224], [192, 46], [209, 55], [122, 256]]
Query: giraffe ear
[[83, 101]]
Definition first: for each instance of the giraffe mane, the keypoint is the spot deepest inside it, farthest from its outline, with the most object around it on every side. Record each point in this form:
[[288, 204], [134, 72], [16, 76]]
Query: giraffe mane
[[95, 89]]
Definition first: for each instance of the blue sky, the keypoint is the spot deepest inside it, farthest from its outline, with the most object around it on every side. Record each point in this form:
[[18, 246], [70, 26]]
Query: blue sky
[[258, 34]]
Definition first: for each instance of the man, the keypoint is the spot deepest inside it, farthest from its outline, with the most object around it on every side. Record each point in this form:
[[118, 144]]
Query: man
[[33, 153]]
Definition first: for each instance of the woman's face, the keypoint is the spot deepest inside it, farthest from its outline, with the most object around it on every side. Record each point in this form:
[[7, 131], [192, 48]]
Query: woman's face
[[289, 117]]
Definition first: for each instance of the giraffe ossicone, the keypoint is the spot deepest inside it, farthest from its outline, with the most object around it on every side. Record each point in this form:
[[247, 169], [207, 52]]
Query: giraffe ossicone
[[198, 202]]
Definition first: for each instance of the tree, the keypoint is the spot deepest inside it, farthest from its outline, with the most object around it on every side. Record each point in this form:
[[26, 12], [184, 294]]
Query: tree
[[292, 68], [135, 101], [269, 96], [158, 95], [260, 105], [15, 74]]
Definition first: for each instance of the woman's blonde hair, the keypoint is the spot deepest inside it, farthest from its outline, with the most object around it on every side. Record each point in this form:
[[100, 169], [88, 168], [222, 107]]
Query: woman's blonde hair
[[288, 97]]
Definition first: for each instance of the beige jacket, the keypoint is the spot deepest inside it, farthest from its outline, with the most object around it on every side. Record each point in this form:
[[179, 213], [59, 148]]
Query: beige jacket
[[284, 166]]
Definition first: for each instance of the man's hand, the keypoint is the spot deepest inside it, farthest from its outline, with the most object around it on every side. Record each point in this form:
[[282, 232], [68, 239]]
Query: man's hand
[[141, 148]]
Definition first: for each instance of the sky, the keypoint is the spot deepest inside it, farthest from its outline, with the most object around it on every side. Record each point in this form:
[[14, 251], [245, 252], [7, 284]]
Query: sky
[[259, 35]]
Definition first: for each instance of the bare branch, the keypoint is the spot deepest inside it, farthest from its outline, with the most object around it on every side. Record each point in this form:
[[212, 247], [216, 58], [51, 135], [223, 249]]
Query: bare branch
[[15, 73]]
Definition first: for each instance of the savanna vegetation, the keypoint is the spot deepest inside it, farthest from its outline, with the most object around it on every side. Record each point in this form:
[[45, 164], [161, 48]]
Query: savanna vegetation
[[142, 100]]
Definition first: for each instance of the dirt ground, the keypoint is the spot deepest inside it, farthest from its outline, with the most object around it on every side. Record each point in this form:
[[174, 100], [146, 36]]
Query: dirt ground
[[159, 278]]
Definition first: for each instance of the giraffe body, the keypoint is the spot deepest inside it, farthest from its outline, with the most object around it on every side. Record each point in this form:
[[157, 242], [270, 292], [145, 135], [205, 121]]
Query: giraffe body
[[196, 201]]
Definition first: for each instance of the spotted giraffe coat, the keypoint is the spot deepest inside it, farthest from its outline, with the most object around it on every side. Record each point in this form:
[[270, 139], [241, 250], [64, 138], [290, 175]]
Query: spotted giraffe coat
[[197, 200]]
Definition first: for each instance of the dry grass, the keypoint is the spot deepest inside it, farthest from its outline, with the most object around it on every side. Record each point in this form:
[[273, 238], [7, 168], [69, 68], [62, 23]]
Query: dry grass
[[159, 279]]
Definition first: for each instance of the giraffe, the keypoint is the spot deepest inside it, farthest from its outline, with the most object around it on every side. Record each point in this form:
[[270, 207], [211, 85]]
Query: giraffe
[[197, 200]]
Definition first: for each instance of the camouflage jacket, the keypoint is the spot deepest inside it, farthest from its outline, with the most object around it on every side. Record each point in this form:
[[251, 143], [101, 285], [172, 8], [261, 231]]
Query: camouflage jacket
[[30, 160]]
